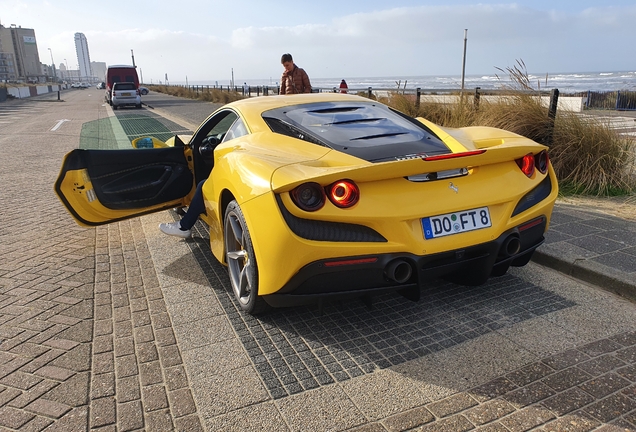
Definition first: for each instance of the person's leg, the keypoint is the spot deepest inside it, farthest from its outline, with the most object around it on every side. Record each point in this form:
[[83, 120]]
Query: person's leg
[[195, 209], [182, 228]]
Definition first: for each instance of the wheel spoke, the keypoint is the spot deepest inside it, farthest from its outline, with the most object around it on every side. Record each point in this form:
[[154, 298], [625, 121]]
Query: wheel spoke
[[244, 285], [237, 255], [250, 274], [237, 230]]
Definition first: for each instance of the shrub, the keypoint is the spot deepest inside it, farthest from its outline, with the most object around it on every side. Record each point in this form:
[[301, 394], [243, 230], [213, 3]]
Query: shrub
[[204, 94]]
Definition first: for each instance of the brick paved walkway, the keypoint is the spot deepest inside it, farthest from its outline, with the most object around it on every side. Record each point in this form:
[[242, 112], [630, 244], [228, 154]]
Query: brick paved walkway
[[85, 339], [120, 328]]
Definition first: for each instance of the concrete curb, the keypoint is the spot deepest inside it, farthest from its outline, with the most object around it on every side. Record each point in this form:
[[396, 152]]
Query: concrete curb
[[596, 274]]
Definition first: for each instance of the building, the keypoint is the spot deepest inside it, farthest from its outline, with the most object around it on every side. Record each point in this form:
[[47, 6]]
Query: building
[[83, 57], [99, 70], [19, 58]]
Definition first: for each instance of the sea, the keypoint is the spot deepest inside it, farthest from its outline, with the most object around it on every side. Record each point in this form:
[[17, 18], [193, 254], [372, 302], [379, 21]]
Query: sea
[[565, 82]]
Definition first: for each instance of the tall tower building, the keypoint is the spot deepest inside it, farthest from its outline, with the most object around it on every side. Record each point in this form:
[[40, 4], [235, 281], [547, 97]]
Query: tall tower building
[[83, 58], [19, 59]]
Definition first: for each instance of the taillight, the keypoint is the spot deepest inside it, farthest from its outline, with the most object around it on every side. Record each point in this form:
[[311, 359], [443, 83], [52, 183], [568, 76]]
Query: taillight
[[542, 161], [526, 164], [343, 193], [308, 196]]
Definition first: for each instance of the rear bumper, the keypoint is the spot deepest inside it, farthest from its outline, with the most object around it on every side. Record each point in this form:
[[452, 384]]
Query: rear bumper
[[372, 274]]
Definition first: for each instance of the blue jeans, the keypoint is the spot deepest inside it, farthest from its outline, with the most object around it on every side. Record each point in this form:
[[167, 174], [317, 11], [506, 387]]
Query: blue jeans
[[195, 209]]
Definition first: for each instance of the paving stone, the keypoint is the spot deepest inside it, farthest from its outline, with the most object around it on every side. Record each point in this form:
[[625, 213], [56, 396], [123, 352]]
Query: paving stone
[[170, 356], [493, 389], [128, 389], [527, 418], [611, 408], [489, 411], [165, 337], [54, 372], [147, 352], [568, 401], [77, 359], [175, 378], [63, 344], [14, 418], [572, 423], [529, 373], [103, 385], [601, 365], [73, 392], [566, 359], [457, 423], [627, 354], [20, 380], [30, 395], [150, 373], [159, 421], [529, 395], [154, 398], [102, 344], [451, 405], [122, 314], [566, 378], [144, 334], [190, 423], [600, 347], [130, 416], [604, 385], [182, 403], [124, 346], [407, 420], [48, 408], [126, 366], [36, 425], [625, 339]]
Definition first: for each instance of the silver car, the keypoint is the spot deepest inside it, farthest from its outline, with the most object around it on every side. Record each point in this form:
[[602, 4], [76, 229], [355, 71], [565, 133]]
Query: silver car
[[125, 93]]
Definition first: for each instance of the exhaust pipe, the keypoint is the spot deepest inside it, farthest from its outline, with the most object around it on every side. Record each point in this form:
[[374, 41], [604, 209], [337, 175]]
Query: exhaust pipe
[[399, 271], [511, 246]]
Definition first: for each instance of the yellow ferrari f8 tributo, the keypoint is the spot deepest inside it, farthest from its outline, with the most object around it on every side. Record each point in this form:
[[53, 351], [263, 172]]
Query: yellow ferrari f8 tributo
[[330, 194]]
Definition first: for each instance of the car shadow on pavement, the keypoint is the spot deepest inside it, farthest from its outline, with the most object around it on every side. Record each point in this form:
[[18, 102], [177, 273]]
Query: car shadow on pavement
[[301, 348]]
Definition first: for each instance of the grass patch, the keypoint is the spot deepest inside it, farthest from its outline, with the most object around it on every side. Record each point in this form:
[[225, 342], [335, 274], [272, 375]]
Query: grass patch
[[204, 94]]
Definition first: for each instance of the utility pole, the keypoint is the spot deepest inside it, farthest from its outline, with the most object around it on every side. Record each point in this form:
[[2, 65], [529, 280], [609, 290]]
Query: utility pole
[[133, 58], [464, 58], [232, 79]]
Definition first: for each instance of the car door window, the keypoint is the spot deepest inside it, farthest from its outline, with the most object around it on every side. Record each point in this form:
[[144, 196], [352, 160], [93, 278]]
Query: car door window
[[238, 129], [218, 125]]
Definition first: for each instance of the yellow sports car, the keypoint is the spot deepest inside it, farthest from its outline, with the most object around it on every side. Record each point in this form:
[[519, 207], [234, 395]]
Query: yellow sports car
[[319, 195]]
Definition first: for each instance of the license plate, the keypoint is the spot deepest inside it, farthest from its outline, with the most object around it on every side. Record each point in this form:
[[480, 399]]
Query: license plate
[[125, 94], [455, 223]]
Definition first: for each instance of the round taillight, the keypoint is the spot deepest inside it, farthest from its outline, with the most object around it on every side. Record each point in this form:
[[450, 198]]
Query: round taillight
[[526, 164], [542, 161], [343, 193], [308, 196]]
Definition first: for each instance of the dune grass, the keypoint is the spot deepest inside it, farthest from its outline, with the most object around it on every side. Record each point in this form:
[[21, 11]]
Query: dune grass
[[207, 95], [589, 157]]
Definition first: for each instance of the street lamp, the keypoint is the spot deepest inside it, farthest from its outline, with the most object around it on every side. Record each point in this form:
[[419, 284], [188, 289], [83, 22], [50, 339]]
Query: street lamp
[[68, 73], [53, 63]]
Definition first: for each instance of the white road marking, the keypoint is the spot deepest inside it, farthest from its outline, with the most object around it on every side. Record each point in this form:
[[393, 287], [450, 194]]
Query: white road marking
[[59, 123]]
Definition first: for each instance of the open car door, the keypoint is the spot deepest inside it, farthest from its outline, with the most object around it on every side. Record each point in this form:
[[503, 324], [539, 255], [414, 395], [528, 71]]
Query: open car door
[[102, 186]]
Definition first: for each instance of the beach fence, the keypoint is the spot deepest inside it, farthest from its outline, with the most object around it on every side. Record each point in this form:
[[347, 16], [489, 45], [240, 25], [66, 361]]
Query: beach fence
[[623, 100]]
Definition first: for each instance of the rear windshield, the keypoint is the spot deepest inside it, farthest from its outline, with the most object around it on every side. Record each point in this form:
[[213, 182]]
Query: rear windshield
[[125, 86], [368, 130]]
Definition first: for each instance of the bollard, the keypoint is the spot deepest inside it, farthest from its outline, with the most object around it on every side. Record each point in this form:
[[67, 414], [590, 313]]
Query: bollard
[[476, 99], [58, 95], [370, 93], [418, 94], [554, 100]]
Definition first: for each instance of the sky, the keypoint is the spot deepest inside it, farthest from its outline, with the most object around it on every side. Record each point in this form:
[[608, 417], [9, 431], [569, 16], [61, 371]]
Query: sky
[[208, 40]]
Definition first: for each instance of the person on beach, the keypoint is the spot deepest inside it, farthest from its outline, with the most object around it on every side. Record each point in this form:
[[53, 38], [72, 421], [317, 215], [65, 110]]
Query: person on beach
[[294, 80], [343, 86]]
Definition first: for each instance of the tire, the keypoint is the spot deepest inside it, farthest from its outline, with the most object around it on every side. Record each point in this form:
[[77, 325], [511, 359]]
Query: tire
[[241, 261], [138, 106]]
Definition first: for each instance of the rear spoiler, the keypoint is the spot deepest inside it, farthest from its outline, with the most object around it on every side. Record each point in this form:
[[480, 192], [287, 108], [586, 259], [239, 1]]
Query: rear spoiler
[[329, 168]]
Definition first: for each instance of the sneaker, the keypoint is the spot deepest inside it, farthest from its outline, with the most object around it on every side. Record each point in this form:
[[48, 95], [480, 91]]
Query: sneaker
[[174, 229]]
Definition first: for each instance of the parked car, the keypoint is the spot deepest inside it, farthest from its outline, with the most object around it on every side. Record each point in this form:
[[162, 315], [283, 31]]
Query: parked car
[[124, 94], [332, 194], [100, 86], [144, 90], [119, 73]]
